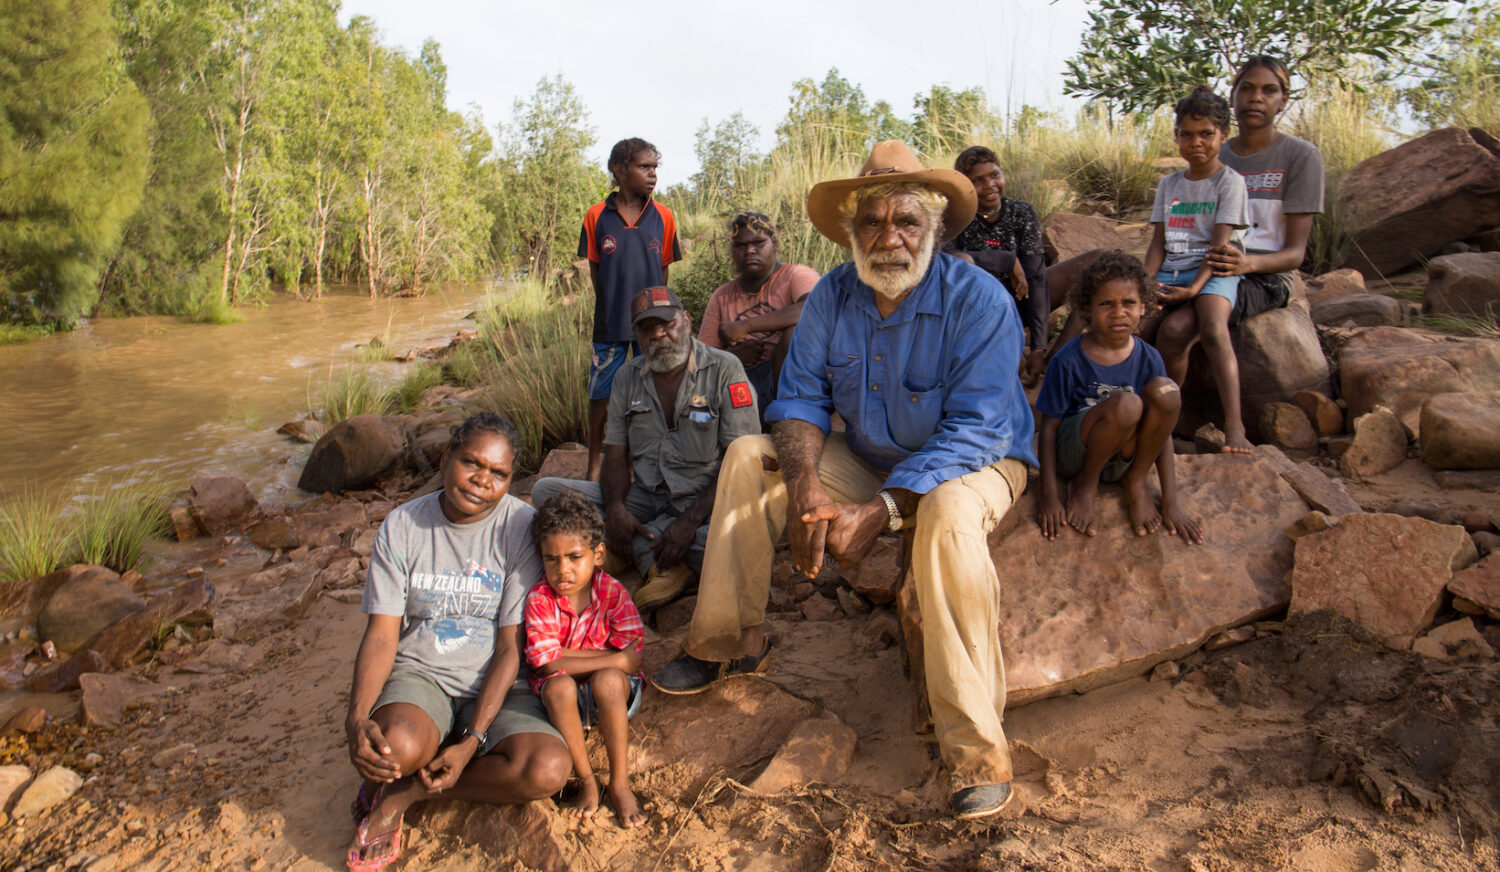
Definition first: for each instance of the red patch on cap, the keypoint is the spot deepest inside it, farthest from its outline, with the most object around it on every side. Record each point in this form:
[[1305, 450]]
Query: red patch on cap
[[740, 396], [659, 297]]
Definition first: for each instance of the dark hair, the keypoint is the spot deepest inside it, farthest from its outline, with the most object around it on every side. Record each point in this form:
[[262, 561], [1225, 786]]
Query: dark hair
[[484, 422], [1107, 267], [568, 513], [625, 151], [750, 219], [1204, 103], [972, 157], [1275, 65]]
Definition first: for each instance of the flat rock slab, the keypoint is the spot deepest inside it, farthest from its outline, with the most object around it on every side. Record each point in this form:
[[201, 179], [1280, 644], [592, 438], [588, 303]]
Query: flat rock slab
[[1383, 571], [818, 751], [1400, 368], [1464, 284], [12, 779], [49, 789], [1476, 590], [1461, 431], [1078, 613], [105, 697], [1359, 310], [81, 608], [1319, 491], [748, 717], [189, 604], [1067, 234]]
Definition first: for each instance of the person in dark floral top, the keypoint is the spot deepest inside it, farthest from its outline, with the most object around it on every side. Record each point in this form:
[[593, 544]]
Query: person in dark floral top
[[1005, 239]]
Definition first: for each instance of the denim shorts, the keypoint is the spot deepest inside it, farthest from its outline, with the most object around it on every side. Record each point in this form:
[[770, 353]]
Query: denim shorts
[[521, 712], [1227, 287], [608, 358]]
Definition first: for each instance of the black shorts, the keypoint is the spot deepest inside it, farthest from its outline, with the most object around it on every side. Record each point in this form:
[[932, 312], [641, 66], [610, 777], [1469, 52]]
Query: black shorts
[[1260, 292]]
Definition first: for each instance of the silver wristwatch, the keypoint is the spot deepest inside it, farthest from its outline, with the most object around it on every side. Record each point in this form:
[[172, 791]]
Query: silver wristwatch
[[896, 521]]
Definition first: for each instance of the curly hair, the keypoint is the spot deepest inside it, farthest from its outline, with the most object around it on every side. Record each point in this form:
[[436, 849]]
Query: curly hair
[[568, 513], [484, 422], [1204, 103], [972, 157], [1108, 267], [625, 151], [751, 219]]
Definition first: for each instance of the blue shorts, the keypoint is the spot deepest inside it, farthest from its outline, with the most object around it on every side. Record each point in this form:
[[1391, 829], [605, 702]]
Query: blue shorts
[[588, 710], [608, 358], [1227, 287], [1072, 451]]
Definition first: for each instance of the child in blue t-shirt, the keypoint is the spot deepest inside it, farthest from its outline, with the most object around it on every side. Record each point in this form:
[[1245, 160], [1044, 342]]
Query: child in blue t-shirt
[[1108, 409], [1202, 207]]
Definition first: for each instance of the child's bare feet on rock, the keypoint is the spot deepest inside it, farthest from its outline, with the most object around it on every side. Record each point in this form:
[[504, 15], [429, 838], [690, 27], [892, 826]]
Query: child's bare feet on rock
[[1176, 523], [587, 801], [628, 809], [1236, 443], [1081, 507], [1144, 518]]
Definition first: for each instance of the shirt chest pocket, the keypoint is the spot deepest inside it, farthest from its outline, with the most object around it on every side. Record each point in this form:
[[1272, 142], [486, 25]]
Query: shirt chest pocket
[[916, 415], [697, 436], [846, 375]]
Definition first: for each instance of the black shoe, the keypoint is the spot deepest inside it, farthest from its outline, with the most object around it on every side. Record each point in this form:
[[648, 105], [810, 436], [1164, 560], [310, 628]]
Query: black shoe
[[687, 674], [981, 800]]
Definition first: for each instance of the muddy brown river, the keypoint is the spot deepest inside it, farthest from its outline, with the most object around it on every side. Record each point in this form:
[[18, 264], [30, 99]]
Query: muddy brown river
[[122, 398]]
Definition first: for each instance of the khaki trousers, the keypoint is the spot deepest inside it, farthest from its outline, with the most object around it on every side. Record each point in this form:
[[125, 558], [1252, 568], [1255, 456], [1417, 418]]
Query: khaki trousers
[[956, 586]]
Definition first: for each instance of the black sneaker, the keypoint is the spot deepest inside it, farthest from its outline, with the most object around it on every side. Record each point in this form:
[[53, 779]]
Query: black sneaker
[[981, 800], [687, 674]]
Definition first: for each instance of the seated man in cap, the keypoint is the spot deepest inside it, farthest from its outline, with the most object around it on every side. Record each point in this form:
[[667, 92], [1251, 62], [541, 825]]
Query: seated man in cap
[[918, 353], [673, 411], [753, 316]]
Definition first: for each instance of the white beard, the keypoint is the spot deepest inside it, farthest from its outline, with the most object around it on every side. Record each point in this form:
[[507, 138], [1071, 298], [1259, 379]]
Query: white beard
[[677, 358], [891, 284]]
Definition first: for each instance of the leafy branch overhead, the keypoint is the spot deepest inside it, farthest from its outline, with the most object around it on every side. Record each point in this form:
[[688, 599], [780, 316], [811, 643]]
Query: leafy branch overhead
[[1139, 55]]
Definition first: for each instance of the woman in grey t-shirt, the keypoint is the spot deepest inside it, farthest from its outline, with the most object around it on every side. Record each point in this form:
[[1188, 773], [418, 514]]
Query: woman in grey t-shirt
[[435, 707]]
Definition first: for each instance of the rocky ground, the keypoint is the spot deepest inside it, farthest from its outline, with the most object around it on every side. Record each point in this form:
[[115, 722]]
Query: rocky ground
[[1309, 745]]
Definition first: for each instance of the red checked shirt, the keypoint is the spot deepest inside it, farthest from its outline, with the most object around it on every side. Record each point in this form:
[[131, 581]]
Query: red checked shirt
[[609, 621]]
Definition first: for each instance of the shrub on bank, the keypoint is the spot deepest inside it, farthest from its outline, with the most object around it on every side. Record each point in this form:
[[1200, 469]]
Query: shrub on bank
[[110, 527]]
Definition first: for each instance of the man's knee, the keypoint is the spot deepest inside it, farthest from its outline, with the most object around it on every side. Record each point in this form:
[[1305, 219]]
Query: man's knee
[[747, 450], [955, 506], [545, 772]]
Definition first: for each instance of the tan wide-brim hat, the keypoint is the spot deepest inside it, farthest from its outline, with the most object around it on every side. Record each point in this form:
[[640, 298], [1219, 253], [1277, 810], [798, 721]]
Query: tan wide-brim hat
[[892, 161]]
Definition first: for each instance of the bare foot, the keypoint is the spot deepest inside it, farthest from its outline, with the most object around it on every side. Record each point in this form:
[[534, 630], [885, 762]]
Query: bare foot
[[628, 809], [1081, 507], [587, 802], [1142, 509], [1235, 441], [1032, 366], [1175, 522]]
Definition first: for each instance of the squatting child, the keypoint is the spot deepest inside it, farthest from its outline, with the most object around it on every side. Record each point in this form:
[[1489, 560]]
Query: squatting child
[[629, 240], [1108, 409], [1202, 207], [583, 643]]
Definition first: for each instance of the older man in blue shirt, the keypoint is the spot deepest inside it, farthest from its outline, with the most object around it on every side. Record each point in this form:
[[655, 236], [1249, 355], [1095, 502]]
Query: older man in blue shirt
[[917, 352]]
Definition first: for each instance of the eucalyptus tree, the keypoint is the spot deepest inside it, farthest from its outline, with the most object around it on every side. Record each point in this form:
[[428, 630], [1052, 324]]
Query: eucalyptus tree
[[73, 148]]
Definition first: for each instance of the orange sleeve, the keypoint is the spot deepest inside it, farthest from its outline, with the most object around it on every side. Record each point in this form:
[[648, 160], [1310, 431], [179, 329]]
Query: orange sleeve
[[588, 243], [671, 252]]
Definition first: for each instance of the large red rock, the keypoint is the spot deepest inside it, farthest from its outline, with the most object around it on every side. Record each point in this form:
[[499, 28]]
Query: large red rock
[[1476, 590], [1407, 203], [1384, 571], [1332, 285], [1461, 431], [1359, 310], [1066, 234], [222, 503], [1278, 354], [64, 676], [336, 524], [189, 604], [1081, 612], [1464, 284], [1379, 445], [355, 453], [1287, 427], [1324, 494], [83, 607], [1400, 368], [1324, 413]]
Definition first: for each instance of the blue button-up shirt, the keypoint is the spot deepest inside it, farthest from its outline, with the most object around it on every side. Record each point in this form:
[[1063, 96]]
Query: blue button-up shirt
[[930, 393]]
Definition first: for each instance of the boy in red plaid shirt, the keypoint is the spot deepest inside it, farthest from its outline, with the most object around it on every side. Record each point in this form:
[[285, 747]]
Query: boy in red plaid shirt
[[583, 641]]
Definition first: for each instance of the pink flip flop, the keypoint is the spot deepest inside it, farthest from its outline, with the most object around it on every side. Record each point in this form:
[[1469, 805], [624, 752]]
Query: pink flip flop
[[359, 859]]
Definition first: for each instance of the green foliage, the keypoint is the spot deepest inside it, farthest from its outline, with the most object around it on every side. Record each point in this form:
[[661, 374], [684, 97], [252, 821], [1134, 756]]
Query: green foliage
[[467, 365], [15, 334], [116, 522], [33, 536], [1460, 84], [352, 392], [543, 182], [708, 267], [73, 145], [419, 378], [1146, 54], [726, 161], [1463, 325]]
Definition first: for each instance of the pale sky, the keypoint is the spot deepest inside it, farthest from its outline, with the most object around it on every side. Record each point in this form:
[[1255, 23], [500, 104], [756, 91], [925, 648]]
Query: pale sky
[[657, 70]]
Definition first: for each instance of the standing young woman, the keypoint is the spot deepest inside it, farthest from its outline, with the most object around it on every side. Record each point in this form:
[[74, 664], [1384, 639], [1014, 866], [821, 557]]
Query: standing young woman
[[1284, 180], [434, 709]]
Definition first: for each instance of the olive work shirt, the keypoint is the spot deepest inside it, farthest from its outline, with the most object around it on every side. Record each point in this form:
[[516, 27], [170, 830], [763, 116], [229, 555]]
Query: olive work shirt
[[715, 406]]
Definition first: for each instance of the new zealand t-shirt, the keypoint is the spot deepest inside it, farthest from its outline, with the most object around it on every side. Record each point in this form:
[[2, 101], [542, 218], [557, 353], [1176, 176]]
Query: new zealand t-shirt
[[1075, 383], [453, 585], [1284, 178], [1189, 210]]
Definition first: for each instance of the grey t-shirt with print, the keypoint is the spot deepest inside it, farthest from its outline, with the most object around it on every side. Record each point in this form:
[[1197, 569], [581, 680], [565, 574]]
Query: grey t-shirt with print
[[453, 585], [1284, 178], [1189, 210]]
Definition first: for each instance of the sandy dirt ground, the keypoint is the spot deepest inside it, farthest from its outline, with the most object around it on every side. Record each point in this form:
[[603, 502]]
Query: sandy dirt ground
[[1311, 747]]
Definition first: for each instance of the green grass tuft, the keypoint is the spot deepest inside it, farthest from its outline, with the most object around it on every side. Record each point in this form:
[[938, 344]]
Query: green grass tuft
[[116, 522], [1461, 325], [34, 536], [419, 378], [352, 392]]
